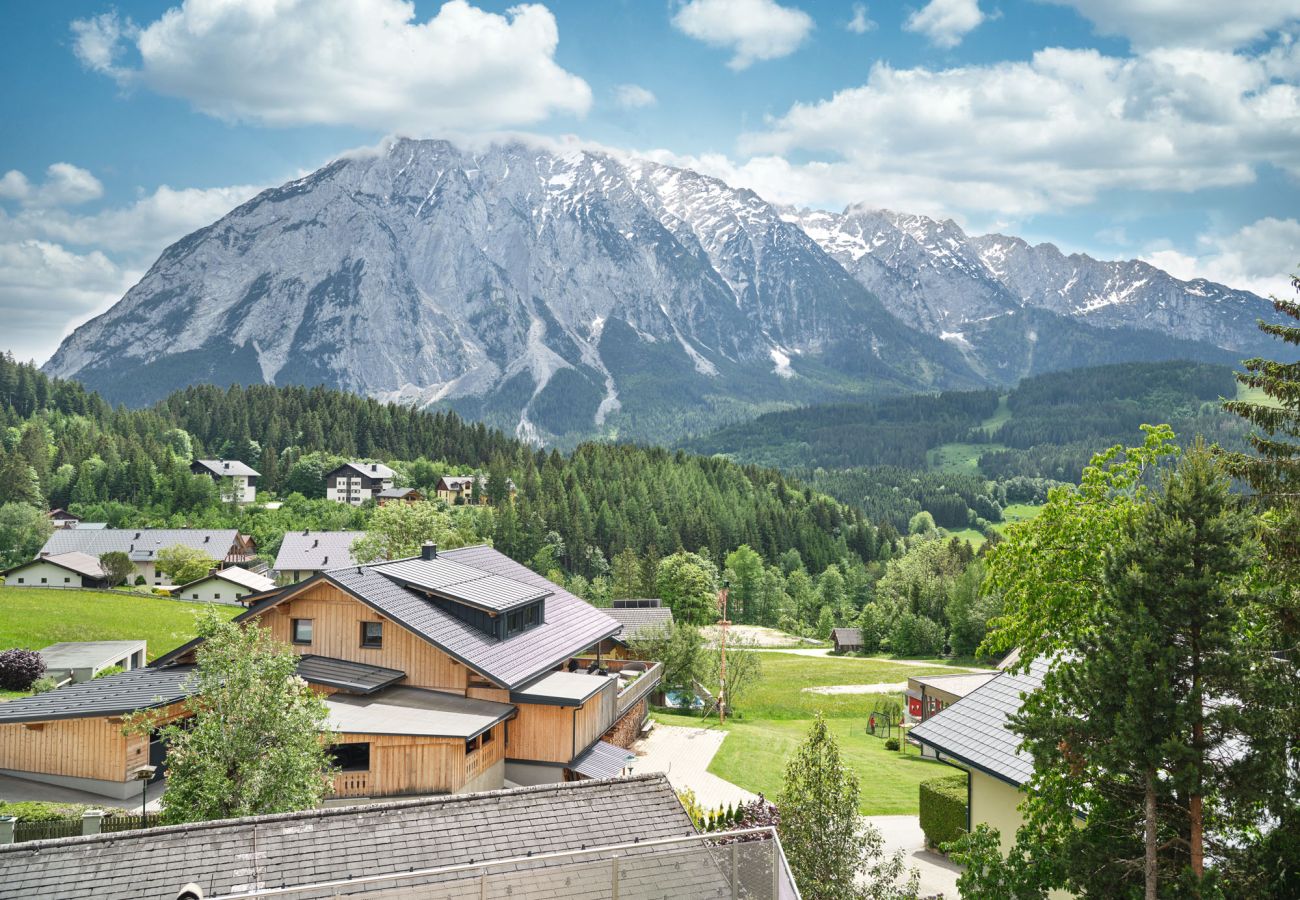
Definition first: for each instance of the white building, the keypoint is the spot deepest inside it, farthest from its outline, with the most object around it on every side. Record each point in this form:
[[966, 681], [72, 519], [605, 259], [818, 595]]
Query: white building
[[357, 482], [234, 477], [224, 546], [230, 586]]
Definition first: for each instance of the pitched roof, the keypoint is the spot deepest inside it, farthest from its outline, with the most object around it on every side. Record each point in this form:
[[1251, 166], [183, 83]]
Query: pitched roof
[[638, 619], [414, 711], [111, 696], [368, 469], [141, 544], [235, 575], [227, 467], [320, 845], [602, 761], [974, 730], [396, 493], [73, 561], [447, 578], [957, 685], [312, 551], [346, 675], [846, 635]]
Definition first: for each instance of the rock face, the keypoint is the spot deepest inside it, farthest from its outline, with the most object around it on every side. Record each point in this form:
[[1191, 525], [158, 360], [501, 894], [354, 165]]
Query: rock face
[[569, 294]]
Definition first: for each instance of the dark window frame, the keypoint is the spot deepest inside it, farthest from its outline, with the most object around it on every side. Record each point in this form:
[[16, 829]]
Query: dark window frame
[[372, 643], [349, 757], [311, 631]]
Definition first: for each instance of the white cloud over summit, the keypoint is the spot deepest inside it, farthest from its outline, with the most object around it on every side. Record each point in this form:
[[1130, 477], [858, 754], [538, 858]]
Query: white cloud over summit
[[366, 63], [755, 30]]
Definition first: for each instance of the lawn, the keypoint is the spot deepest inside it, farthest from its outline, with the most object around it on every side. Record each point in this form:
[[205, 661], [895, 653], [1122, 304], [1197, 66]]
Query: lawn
[[37, 617], [958, 457], [1015, 513], [774, 716]]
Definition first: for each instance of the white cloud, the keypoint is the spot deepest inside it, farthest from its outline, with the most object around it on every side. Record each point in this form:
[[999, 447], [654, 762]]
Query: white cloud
[[945, 22], [366, 63], [861, 22], [1260, 257], [1164, 23], [1016, 138], [633, 96], [754, 29], [64, 185]]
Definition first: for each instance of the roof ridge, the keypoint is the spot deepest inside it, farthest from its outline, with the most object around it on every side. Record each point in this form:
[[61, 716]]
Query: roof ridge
[[327, 812]]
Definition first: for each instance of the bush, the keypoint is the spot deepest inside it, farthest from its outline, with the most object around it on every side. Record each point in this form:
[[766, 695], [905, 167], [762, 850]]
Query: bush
[[915, 635], [43, 684], [139, 580], [19, 668], [943, 809], [42, 811], [108, 671], [891, 744]]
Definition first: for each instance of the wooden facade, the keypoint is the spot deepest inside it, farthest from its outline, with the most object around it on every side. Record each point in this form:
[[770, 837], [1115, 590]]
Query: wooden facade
[[409, 764], [90, 747]]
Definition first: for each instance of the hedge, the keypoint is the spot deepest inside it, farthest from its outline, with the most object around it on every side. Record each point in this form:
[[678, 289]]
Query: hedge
[[943, 809]]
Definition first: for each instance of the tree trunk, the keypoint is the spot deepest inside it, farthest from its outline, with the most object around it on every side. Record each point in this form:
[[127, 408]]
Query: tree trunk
[[1150, 868], [1195, 810]]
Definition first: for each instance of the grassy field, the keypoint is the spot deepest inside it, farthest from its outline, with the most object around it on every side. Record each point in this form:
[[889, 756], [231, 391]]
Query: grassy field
[[776, 713], [1255, 395], [37, 617], [1017, 512]]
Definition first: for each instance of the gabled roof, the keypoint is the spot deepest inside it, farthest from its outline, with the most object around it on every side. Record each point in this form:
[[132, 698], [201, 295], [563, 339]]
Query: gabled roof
[[73, 561], [322, 845], [223, 467], [370, 470], [846, 635], [974, 731], [141, 544], [235, 575], [638, 619], [311, 551], [396, 493], [111, 696]]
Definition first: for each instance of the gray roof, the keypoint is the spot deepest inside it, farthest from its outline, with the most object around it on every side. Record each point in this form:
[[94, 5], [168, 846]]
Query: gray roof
[[849, 636], [346, 675], [87, 654], [636, 619], [447, 578], [395, 493], [312, 551], [957, 685], [227, 467], [320, 845], [561, 689], [238, 576], [73, 561], [141, 544], [111, 696], [415, 711], [370, 470], [974, 730], [602, 761]]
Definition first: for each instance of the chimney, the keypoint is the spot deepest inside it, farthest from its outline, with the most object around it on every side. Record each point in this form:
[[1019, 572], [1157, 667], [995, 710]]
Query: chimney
[[206, 538], [429, 550], [306, 531], [325, 561], [137, 536], [315, 543], [374, 467], [44, 553]]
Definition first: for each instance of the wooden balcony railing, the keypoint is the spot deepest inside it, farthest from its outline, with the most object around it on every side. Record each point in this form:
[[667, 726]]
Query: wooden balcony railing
[[352, 784]]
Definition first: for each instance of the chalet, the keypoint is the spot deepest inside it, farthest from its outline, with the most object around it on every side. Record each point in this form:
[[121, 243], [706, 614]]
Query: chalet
[[224, 546], [457, 490], [228, 585], [236, 478], [83, 660], [627, 838], [846, 640], [445, 673], [304, 553], [61, 518], [357, 482], [59, 570], [399, 495]]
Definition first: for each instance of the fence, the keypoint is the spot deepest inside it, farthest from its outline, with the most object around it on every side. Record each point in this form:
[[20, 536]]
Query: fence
[[93, 822]]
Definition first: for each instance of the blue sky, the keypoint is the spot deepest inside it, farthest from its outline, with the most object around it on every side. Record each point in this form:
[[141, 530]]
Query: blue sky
[[1123, 128]]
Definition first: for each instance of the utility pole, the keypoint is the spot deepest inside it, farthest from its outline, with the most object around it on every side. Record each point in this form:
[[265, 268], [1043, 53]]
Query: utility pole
[[722, 670]]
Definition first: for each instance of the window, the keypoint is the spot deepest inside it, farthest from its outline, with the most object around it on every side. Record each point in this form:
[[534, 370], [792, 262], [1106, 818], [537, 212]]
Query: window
[[42, 581], [372, 634], [351, 757], [471, 746], [20, 581], [194, 596], [302, 631], [530, 616], [67, 580], [514, 622], [485, 738], [216, 595]]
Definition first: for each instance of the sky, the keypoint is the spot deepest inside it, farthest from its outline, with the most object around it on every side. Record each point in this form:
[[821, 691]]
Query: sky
[[1167, 130]]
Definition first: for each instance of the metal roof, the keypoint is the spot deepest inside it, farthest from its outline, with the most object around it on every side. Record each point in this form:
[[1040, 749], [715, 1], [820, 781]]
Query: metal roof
[[638, 619], [603, 761], [87, 654], [312, 551], [141, 544], [235, 575], [561, 689], [414, 711], [957, 685], [395, 493], [236, 855], [227, 467], [111, 696], [346, 675], [974, 731], [463, 584], [73, 561]]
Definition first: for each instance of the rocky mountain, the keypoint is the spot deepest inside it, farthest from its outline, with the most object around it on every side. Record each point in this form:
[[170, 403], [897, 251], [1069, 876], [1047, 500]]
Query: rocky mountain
[[1016, 309], [553, 293]]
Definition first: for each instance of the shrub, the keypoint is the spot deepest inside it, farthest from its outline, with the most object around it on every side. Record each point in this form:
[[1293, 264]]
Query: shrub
[[108, 670], [891, 743], [943, 809], [43, 811], [19, 668], [43, 684], [139, 580]]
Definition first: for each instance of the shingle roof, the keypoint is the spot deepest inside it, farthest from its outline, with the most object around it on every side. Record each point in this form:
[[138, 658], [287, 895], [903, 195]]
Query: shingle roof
[[346, 675], [414, 711], [312, 551], [849, 636], [227, 467], [111, 696], [370, 470], [602, 761], [73, 561], [328, 844], [640, 618], [464, 584], [974, 729], [141, 544], [236, 575]]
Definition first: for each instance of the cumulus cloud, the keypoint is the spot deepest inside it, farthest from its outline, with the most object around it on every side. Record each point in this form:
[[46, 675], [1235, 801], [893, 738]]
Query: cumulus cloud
[[1166, 23], [366, 63], [1016, 138], [861, 22], [64, 185], [633, 96], [754, 30], [1259, 257], [945, 22]]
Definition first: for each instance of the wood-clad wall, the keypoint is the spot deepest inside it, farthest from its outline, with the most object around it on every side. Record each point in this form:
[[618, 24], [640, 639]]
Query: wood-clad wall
[[597, 715], [542, 733], [80, 748], [336, 631], [406, 764]]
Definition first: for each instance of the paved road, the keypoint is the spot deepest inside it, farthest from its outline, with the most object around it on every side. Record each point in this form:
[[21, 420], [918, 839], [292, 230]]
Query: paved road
[[938, 873], [684, 754]]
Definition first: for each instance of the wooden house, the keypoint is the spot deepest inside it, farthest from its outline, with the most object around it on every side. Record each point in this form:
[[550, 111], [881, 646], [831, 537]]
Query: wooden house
[[357, 482], [399, 495], [443, 673], [846, 640]]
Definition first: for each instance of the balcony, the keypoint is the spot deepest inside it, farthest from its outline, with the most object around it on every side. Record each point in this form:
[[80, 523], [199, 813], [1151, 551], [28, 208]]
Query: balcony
[[351, 784]]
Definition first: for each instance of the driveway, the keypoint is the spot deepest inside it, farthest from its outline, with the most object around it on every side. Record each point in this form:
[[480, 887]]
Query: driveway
[[938, 873], [684, 754]]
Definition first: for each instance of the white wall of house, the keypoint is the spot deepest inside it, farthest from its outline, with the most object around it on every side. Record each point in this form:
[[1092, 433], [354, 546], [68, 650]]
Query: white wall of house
[[214, 590], [43, 574], [238, 488], [352, 489]]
